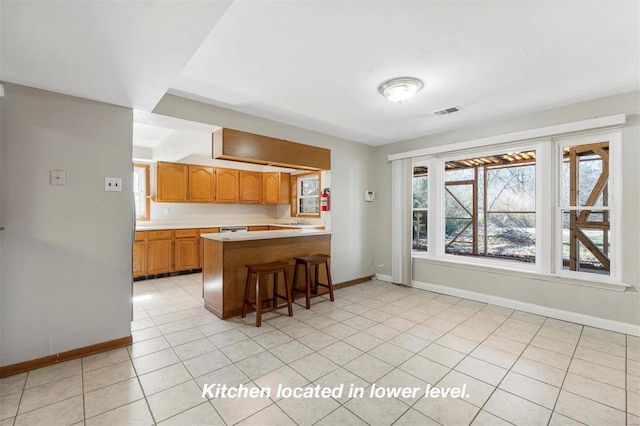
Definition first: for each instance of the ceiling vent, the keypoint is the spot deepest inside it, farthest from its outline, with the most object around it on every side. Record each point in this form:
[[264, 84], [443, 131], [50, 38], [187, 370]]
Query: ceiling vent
[[447, 111]]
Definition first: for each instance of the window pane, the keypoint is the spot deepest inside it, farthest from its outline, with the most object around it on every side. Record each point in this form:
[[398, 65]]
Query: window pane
[[586, 248], [140, 191], [309, 205], [490, 205], [420, 208], [308, 187]]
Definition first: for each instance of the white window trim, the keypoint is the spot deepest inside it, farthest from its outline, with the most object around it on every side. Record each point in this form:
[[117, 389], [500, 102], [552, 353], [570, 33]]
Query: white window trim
[[548, 161], [614, 208], [299, 196]]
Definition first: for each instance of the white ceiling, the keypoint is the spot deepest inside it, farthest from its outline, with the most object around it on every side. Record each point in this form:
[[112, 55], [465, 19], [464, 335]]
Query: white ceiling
[[317, 64]]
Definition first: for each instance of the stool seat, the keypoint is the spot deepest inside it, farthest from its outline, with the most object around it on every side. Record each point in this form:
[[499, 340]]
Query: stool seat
[[261, 272], [314, 259], [266, 268], [312, 287]]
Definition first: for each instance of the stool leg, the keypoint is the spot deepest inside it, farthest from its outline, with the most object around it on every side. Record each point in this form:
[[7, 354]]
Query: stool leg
[[308, 285], [258, 301], [315, 279], [246, 294], [294, 285], [287, 293], [275, 290], [329, 282]]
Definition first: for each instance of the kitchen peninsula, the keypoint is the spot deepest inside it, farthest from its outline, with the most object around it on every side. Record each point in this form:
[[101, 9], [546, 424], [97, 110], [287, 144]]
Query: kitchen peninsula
[[225, 256]]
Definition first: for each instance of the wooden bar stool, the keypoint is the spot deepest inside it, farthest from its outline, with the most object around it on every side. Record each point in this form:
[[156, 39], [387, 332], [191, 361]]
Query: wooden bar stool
[[261, 272], [308, 261]]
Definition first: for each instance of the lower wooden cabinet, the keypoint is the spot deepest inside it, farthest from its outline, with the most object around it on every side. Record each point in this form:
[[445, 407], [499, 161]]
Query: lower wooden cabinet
[[140, 254], [166, 251], [186, 249], [159, 252]]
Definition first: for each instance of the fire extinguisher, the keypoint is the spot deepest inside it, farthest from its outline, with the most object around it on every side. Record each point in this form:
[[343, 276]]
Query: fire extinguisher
[[324, 200]]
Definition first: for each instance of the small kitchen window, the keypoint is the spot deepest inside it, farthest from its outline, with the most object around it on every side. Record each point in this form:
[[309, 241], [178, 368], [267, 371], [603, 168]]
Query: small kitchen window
[[307, 195], [141, 191]]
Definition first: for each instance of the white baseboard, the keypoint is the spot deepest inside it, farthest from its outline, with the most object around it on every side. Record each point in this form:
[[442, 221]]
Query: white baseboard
[[606, 324], [617, 326], [382, 277]]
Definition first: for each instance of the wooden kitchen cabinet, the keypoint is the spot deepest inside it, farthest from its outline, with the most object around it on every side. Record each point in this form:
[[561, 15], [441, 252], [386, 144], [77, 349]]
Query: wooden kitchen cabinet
[[201, 182], [140, 254], [227, 188], [250, 187], [258, 228], [275, 187], [172, 179], [159, 252], [186, 249]]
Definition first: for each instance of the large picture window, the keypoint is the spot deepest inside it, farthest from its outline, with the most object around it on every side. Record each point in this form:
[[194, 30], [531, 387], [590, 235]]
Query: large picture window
[[490, 206], [548, 207]]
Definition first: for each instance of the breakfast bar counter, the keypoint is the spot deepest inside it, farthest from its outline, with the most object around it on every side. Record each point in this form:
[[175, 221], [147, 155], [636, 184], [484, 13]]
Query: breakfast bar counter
[[226, 256]]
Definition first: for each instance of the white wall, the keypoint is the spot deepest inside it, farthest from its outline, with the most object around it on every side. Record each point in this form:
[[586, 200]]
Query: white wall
[[351, 217], [616, 306], [66, 250]]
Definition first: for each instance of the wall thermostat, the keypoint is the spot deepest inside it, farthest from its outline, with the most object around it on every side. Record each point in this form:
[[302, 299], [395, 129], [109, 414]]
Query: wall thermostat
[[369, 196]]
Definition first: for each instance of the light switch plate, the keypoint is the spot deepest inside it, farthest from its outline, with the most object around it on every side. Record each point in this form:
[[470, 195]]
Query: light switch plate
[[58, 177], [112, 184]]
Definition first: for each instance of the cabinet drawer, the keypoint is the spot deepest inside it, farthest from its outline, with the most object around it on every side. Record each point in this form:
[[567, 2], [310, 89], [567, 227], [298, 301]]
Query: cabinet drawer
[[141, 235], [208, 231], [186, 233], [160, 235]]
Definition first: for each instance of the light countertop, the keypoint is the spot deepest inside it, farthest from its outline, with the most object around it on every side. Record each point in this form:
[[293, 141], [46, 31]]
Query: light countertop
[[264, 235], [142, 226]]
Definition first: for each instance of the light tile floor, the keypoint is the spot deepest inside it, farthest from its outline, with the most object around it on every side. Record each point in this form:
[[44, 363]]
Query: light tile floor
[[519, 368]]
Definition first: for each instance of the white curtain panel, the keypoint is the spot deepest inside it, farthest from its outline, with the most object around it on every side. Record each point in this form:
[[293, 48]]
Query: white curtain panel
[[401, 174]]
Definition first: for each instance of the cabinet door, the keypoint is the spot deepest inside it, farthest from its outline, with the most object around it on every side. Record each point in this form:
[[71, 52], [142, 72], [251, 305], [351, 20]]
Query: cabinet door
[[160, 256], [226, 186], [250, 187], [186, 254], [139, 258], [172, 182], [201, 184], [275, 188], [271, 187]]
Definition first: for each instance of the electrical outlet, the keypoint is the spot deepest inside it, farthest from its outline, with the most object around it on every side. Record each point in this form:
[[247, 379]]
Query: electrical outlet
[[112, 184]]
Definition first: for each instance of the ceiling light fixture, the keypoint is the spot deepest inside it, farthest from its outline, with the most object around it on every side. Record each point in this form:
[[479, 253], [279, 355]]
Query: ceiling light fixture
[[400, 89]]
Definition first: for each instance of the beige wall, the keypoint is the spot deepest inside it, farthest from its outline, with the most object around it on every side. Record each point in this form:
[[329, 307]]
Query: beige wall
[[607, 304], [65, 269], [351, 217]]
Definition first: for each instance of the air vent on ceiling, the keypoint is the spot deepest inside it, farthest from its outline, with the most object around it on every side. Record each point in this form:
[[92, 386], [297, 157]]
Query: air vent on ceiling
[[447, 111]]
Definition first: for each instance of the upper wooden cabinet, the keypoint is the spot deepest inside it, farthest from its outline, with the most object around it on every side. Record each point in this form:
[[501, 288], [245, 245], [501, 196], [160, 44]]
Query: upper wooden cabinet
[[250, 187], [275, 188], [172, 181], [227, 188], [229, 144], [202, 187], [184, 183]]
